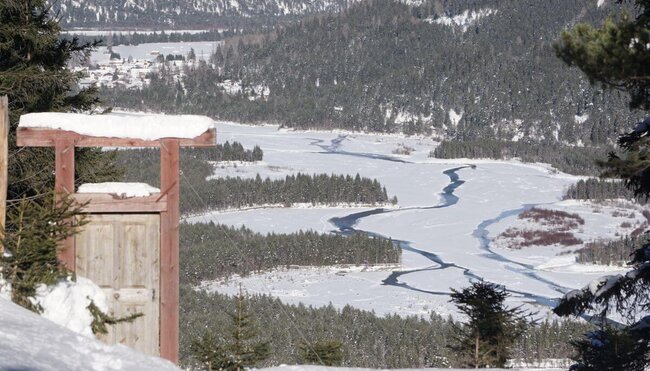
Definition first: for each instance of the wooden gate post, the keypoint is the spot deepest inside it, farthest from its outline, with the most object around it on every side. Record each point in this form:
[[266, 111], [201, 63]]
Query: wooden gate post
[[64, 185], [4, 158], [169, 250]]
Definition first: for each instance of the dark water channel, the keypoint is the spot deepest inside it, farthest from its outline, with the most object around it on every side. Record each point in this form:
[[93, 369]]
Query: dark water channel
[[346, 225]]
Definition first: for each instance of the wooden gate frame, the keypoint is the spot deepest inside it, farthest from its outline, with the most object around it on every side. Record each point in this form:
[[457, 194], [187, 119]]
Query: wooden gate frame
[[166, 203]]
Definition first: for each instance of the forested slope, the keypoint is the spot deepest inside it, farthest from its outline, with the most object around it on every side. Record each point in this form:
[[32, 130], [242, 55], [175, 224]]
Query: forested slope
[[385, 66], [186, 13], [368, 340]]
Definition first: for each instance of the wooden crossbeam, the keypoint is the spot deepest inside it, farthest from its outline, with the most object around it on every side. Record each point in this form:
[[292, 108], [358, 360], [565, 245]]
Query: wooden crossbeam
[[109, 203], [35, 137]]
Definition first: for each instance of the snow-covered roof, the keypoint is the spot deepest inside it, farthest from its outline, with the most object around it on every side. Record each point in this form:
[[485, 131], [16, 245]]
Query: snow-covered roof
[[121, 189], [121, 124], [31, 342]]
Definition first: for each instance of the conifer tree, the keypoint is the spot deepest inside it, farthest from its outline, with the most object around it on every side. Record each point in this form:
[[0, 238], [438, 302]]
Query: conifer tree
[[33, 74], [34, 231], [616, 56], [239, 351], [325, 353], [492, 328]]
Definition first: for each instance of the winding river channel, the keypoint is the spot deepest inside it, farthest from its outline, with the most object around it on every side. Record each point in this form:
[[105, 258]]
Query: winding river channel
[[448, 214], [346, 225]]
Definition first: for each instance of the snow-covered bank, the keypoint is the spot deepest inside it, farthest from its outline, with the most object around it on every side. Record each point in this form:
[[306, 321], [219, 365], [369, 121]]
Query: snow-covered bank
[[279, 219], [31, 342]]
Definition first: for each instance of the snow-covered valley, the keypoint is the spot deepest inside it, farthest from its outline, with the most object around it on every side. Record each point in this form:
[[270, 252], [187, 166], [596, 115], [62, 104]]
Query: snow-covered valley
[[447, 216]]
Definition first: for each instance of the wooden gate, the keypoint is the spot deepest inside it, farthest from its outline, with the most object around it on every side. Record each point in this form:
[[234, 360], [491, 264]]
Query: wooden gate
[[121, 254], [131, 247]]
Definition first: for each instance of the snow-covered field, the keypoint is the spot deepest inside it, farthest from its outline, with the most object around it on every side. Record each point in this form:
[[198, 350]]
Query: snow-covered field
[[103, 32], [149, 51], [448, 214]]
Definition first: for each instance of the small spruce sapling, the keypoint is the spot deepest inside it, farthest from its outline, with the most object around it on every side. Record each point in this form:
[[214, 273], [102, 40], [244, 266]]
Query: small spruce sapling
[[492, 328], [236, 352], [325, 353], [32, 240]]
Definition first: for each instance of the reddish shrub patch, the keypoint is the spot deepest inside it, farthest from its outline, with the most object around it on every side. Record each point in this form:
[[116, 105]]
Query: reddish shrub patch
[[540, 238], [562, 220]]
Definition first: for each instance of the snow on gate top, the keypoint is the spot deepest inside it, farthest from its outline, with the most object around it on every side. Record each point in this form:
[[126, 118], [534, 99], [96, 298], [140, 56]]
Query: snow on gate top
[[121, 124]]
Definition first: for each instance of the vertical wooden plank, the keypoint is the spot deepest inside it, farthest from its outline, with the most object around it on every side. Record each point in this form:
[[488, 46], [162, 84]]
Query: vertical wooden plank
[[4, 132], [64, 184], [169, 251], [153, 238]]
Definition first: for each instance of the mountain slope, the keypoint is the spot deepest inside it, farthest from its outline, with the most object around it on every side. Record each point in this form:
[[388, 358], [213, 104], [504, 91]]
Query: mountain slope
[[467, 69], [185, 13]]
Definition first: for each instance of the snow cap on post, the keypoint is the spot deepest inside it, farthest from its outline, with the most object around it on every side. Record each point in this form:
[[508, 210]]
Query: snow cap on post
[[117, 129]]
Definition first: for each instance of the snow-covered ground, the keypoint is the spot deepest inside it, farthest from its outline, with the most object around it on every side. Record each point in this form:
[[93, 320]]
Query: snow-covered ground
[[105, 32], [149, 51], [448, 214], [274, 219], [31, 342]]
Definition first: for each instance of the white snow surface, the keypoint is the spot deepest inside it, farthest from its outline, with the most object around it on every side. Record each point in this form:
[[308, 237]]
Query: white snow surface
[[5, 289], [31, 342], [455, 117], [121, 124], [66, 303], [465, 19], [149, 51], [447, 244], [124, 190], [580, 119]]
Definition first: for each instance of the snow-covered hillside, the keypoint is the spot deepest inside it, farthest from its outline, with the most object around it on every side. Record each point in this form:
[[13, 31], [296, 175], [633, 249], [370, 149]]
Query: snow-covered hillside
[[31, 342]]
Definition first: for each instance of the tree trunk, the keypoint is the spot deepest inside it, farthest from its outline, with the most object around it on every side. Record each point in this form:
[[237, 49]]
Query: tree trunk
[[476, 356], [4, 157]]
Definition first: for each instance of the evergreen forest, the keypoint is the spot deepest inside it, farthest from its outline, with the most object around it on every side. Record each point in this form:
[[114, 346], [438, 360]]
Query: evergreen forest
[[615, 252], [568, 159], [188, 14], [384, 66], [212, 251], [602, 189], [368, 340]]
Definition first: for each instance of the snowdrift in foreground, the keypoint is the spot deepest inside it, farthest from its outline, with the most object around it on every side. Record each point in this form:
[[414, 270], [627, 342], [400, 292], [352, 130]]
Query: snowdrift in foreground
[[66, 303], [30, 342]]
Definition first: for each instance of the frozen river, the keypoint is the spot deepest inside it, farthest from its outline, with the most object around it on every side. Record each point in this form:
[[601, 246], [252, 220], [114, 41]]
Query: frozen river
[[445, 219]]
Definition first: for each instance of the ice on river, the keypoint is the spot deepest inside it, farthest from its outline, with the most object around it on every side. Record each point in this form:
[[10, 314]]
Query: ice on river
[[448, 235]]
